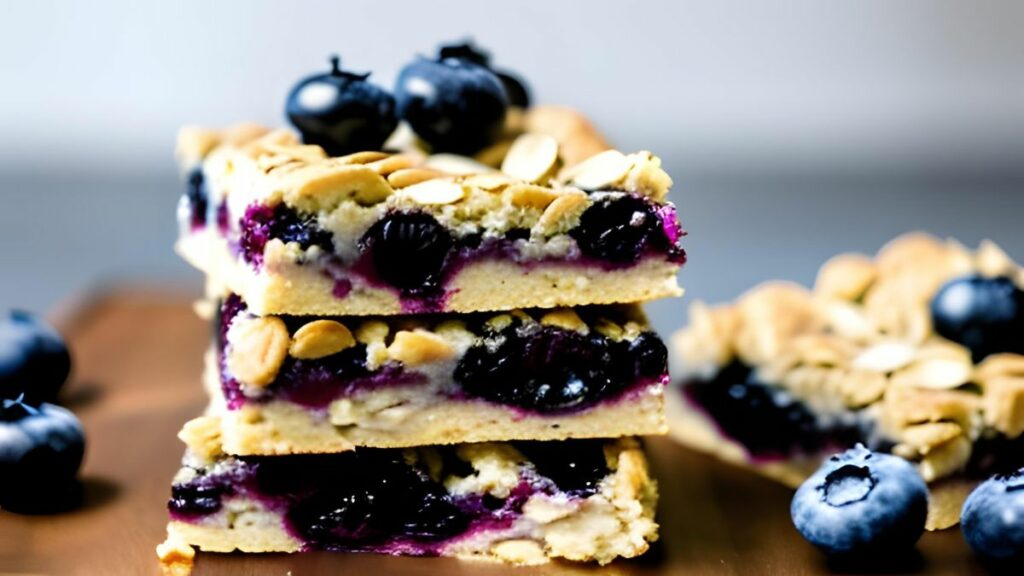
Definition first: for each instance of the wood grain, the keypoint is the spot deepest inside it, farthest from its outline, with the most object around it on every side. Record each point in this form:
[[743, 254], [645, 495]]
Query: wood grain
[[138, 357]]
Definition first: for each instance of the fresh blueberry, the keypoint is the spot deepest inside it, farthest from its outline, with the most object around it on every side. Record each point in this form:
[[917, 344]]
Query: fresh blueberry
[[992, 519], [454, 104], [409, 250], [515, 88], [34, 360], [40, 452], [984, 314], [342, 112], [862, 502], [618, 229]]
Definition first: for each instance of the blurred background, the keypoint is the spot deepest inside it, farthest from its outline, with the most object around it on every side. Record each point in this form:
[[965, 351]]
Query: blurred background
[[793, 129]]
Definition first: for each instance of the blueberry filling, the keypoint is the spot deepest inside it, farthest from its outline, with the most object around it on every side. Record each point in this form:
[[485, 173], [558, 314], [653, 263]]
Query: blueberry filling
[[545, 369], [409, 250], [262, 223], [620, 230], [372, 498], [768, 421], [526, 365], [576, 471]]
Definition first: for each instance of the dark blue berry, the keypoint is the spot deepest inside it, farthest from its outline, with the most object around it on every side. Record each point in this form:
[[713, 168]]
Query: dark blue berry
[[768, 421], [992, 519], [545, 369], [342, 112], [618, 229], [454, 104], [198, 198], [409, 250], [649, 355], [515, 88], [196, 498], [861, 502], [577, 466], [984, 314], [41, 449], [34, 360]]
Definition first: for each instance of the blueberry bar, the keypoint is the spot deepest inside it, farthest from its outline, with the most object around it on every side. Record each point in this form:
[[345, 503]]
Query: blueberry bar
[[284, 385], [918, 352], [520, 502], [294, 231]]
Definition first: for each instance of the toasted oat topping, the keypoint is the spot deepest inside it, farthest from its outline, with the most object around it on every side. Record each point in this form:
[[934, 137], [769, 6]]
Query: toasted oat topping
[[863, 338]]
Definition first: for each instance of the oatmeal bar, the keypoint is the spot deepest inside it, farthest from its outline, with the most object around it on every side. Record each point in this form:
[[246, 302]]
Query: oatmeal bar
[[284, 385], [296, 232], [918, 352], [522, 503]]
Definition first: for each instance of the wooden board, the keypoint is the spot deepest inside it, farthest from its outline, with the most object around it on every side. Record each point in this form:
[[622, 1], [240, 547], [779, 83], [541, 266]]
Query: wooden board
[[138, 355]]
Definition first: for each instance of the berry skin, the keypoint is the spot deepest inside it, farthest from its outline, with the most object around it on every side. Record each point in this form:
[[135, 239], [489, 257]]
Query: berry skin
[[342, 112], [861, 502], [984, 314], [618, 230], [992, 519], [34, 360], [409, 250], [40, 452], [515, 88], [454, 104], [198, 198], [577, 466]]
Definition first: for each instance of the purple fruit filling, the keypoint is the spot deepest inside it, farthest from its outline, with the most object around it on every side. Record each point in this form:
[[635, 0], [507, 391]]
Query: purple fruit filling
[[198, 199], [262, 223], [414, 254], [535, 368], [769, 422], [376, 500], [550, 370]]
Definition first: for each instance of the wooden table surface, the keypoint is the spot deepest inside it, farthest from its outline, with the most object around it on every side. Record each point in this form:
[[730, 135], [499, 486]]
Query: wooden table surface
[[138, 355]]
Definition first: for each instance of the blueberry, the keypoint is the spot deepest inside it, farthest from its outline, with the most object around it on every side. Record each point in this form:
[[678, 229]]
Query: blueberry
[[992, 519], [41, 449], [543, 369], [195, 499], [515, 88], [262, 223], [768, 421], [342, 112], [649, 355], [197, 197], [575, 466], [618, 229], [984, 314], [862, 502], [454, 104], [409, 250], [34, 360]]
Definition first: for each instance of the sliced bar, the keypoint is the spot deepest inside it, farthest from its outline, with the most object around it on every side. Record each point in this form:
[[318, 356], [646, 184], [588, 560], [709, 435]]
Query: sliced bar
[[286, 385], [523, 503], [911, 352], [295, 232]]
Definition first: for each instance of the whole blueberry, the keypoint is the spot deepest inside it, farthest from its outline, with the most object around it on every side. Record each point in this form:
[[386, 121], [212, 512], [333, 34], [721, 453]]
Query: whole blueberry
[[515, 88], [992, 519], [34, 360], [984, 314], [409, 250], [41, 449], [454, 104], [861, 502], [342, 112]]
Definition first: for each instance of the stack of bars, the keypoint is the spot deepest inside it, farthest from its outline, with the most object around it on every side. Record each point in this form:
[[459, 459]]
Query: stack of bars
[[424, 354]]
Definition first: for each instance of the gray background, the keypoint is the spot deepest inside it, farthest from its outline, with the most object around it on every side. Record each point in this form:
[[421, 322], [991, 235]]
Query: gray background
[[793, 129]]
